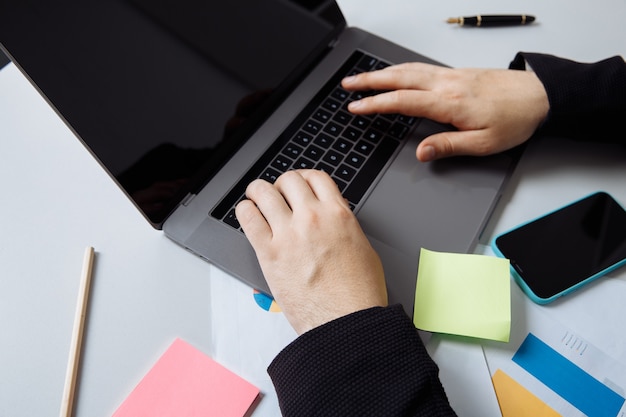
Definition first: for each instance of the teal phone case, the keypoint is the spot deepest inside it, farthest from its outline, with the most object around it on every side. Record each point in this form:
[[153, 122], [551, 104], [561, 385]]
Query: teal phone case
[[524, 286]]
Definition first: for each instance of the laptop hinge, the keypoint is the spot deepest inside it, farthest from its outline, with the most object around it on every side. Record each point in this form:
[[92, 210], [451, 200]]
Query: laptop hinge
[[188, 199]]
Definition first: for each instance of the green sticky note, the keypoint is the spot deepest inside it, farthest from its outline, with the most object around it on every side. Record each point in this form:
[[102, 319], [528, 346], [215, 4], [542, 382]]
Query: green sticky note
[[463, 294]]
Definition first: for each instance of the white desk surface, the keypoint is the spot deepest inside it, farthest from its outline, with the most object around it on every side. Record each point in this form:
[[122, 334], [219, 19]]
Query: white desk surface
[[146, 290]]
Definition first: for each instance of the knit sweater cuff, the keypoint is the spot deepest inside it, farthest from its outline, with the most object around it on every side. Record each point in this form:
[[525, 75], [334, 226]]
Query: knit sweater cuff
[[371, 362]]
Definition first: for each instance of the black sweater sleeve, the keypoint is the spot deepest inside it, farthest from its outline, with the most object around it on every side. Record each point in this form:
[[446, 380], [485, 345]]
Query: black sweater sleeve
[[587, 100], [369, 363]]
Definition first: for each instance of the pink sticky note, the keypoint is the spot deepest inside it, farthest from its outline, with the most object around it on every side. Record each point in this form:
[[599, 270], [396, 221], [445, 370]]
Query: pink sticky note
[[186, 382]]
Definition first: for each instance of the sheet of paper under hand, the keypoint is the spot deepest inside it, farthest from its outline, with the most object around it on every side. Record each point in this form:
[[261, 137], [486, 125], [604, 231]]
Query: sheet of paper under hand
[[463, 294], [186, 382]]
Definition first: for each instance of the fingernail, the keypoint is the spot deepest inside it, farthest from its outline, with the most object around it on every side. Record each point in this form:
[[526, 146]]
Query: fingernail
[[428, 153], [349, 79], [354, 105]]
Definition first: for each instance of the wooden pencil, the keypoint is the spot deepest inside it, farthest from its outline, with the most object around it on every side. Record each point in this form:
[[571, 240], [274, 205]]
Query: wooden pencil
[[77, 334]]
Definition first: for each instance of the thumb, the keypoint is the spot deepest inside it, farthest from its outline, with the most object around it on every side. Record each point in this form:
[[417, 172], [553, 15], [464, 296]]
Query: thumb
[[452, 143]]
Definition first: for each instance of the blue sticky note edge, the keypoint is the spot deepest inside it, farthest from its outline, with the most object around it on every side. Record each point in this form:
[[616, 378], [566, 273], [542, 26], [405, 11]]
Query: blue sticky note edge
[[565, 378]]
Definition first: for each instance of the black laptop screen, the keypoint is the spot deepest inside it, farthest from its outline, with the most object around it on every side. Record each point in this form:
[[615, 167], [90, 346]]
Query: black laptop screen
[[162, 91]]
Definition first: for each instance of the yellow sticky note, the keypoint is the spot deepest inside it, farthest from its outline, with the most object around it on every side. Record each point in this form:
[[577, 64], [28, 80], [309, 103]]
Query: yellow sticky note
[[463, 294], [517, 401]]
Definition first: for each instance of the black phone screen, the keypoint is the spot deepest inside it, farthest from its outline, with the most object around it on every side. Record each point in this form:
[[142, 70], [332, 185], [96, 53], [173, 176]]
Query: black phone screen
[[564, 248]]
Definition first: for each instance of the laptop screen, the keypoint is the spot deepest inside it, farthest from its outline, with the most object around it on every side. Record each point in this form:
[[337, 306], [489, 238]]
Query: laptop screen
[[163, 91]]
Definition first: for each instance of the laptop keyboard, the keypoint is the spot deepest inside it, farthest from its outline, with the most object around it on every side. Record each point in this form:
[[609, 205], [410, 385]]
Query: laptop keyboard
[[352, 149]]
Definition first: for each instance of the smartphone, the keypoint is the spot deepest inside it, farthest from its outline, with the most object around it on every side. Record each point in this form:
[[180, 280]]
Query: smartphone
[[561, 251]]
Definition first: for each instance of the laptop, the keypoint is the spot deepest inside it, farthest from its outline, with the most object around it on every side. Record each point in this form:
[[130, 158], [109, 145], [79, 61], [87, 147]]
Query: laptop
[[184, 102]]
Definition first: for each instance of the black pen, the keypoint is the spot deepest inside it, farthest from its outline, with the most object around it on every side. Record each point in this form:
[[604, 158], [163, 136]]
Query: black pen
[[493, 20]]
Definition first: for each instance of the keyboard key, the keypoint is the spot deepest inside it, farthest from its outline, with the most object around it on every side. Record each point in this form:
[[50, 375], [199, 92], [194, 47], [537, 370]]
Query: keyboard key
[[364, 147], [333, 158], [332, 105], [323, 140], [381, 124], [406, 119], [342, 145], [312, 127], [231, 219], [340, 94], [358, 95], [322, 115], [355, 159], [367, 63], [333, 129], [304, 163], [361, 122], [351, 133], [340, 184], [282, 163], [314, 153], [292, 150], [373, 135], [343, 117], [302, 138], [381, 65], [323, 166], [398, 130], [270, 175], [345, 173]]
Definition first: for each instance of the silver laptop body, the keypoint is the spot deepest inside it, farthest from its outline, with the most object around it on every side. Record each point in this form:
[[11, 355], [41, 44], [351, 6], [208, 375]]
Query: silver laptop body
[[442, 206]]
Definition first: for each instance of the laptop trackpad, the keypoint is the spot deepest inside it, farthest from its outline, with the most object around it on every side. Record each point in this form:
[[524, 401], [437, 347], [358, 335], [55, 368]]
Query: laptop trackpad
[[441, 205], [401, 277], [400, 273]]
